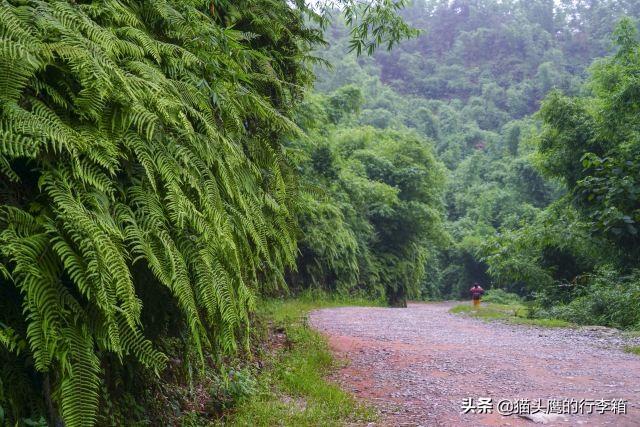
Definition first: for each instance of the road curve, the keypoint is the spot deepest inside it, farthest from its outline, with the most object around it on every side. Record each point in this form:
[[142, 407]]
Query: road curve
[[418, 364]]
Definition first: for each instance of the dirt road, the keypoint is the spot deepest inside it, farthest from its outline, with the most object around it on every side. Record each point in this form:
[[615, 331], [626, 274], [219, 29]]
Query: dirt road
[[417, 365]]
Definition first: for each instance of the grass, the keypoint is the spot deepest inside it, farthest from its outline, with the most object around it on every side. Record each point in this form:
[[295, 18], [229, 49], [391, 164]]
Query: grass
[[510, 313], [292, 388], [632, 333], [633, 349]]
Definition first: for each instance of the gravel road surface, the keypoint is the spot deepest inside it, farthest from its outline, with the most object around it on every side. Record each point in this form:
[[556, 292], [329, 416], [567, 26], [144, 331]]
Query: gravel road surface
[[417, 365]]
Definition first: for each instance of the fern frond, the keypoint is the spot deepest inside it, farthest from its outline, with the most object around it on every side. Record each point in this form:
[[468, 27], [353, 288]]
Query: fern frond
[[151, 138]]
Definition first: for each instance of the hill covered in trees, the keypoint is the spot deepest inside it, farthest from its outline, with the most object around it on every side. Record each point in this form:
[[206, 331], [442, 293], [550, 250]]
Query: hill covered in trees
[[471, 86]]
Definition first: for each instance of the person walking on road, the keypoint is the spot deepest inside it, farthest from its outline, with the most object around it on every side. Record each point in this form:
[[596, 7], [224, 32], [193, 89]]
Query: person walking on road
[[476, 294]]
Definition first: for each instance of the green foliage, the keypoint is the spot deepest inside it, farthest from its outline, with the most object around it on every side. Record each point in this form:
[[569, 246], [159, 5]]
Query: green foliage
[[378, 213], [292, 388], [633, 350], [513, 313], [535, 204], [231, 388], [343, 102], [553, 250], [475, 107], [591, 143], [140, 150], [371, 24], [604, 299], [490, 311], [500, 296], [144, 189], [154, 181]]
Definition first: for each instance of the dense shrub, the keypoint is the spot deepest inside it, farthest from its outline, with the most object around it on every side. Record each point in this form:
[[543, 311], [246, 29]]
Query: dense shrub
[[143, 187], [607, 299], [230, 388], [375, 214], [500, 296]]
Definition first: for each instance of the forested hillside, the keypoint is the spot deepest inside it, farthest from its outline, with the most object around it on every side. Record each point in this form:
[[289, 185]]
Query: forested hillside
[[167, 167], [524, 209]]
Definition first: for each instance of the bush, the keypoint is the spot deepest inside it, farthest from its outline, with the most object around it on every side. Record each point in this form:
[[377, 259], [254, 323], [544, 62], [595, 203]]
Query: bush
[[500, 296], [142, 185], [231, 388], [607, 300]]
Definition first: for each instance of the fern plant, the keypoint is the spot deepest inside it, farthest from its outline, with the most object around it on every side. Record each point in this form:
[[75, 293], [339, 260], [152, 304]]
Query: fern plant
[[141, 154], [139, 136]]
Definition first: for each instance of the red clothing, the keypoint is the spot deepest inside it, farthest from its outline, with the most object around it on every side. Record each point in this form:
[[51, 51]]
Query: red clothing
[[476, 293]]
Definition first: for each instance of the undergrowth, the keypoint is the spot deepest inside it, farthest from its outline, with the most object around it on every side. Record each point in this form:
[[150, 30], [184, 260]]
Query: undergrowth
[[291, 385], [633, 349], [515, 312]]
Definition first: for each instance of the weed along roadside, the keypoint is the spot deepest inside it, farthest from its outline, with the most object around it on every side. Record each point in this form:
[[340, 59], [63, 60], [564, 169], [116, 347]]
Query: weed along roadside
[[511, 308], [515, 314], [292, 386]]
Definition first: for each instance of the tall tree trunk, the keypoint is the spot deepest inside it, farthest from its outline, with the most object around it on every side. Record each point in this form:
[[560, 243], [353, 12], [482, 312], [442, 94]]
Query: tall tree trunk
[[396, 297]]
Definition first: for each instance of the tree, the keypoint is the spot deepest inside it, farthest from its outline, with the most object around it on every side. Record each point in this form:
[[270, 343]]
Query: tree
[[591, 143], [402, 202]]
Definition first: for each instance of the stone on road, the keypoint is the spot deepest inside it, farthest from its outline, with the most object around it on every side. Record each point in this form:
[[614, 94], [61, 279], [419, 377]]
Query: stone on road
[[418, 364]]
